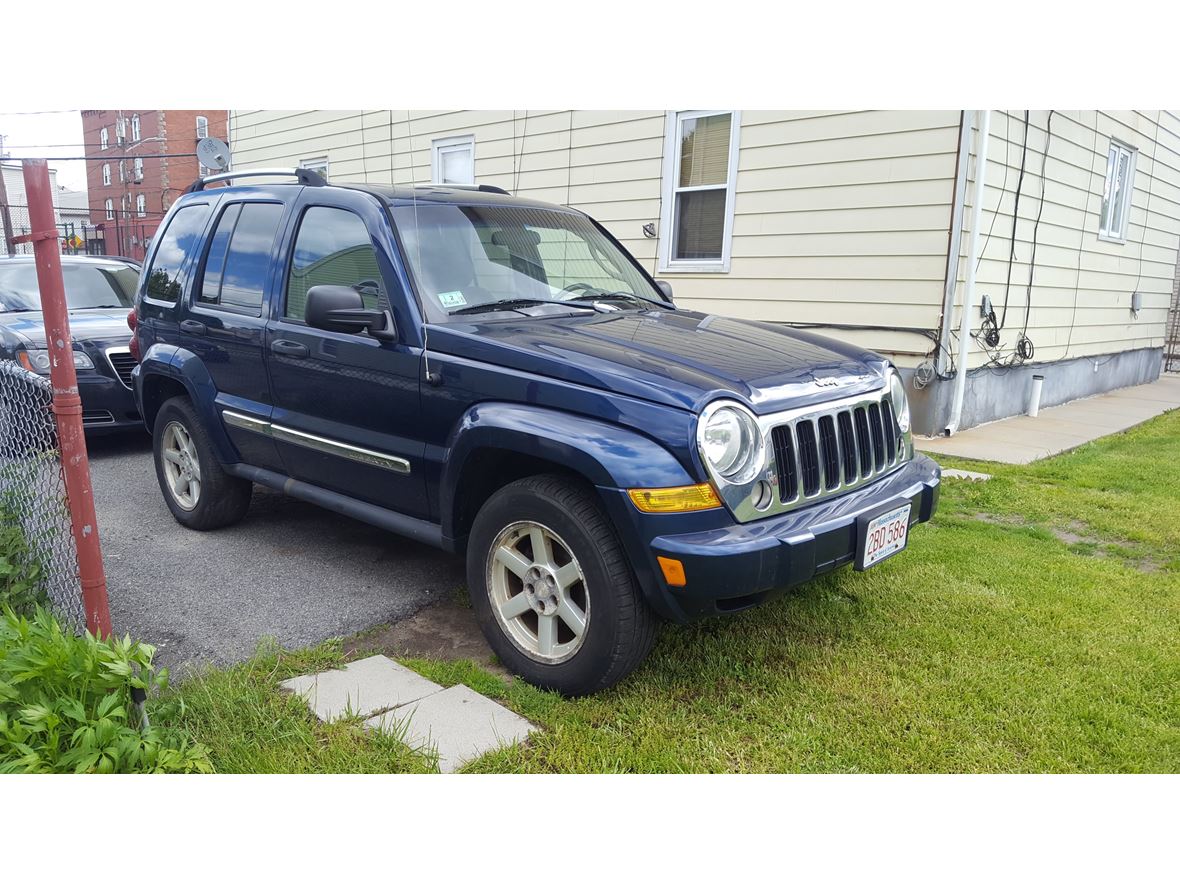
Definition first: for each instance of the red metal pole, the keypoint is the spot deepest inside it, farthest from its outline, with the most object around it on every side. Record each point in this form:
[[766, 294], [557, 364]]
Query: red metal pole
[[67, 404]]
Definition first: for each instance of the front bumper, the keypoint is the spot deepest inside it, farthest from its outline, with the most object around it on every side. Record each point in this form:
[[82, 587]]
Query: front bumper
[[107, 404], [737, 565]]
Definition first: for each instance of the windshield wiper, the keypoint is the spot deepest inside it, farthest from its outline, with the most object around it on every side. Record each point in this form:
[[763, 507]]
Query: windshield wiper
[[609, 297], [506, 304]]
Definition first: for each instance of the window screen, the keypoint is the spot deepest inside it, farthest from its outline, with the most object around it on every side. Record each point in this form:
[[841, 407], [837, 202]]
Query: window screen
[[182, 236]]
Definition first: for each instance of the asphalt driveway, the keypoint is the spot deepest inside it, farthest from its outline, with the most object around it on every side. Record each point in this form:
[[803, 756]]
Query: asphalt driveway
[[289, 570]]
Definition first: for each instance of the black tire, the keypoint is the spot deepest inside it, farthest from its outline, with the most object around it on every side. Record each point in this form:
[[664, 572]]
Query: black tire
[[619, 627], [223, 499]]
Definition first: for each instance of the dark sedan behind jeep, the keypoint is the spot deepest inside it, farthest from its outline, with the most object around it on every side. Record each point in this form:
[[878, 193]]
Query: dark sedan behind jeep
[[99, 293]]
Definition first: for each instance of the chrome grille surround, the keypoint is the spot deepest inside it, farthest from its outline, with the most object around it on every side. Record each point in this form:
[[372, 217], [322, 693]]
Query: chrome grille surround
[[817, 451], [121, 362]]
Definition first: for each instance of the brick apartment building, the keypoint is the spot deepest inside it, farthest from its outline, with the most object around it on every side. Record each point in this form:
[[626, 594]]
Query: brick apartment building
[[130, 185]]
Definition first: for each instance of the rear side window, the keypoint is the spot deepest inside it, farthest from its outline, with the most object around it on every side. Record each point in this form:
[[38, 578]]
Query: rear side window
[[164, 280], [332, 248], [240, 255]]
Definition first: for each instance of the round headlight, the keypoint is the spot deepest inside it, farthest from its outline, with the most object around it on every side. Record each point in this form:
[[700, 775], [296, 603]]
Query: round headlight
[[901, 406], [731, 444]]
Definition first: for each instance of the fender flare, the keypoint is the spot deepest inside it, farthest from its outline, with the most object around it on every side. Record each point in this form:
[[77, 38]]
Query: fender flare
[[607, 455], [185, 367]]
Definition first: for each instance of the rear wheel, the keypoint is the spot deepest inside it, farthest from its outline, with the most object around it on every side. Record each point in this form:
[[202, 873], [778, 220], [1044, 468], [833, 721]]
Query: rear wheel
[[552, 588], [199, 493]]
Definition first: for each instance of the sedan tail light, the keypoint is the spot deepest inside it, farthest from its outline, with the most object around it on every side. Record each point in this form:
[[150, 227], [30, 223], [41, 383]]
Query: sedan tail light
[[133, 324]]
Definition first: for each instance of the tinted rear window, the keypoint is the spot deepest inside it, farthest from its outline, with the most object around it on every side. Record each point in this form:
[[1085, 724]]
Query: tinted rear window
[[242, 279], [87, 286], [165, 281]]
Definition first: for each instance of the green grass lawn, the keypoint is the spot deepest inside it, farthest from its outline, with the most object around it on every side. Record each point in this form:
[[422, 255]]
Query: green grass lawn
[[1033, 626]]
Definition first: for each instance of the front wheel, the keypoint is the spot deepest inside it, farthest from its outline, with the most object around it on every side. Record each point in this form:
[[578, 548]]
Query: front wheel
[[552, 589]]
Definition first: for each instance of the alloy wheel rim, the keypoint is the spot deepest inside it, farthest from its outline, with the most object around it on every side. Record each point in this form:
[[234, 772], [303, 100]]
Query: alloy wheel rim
[[538, 592], [182, 468]]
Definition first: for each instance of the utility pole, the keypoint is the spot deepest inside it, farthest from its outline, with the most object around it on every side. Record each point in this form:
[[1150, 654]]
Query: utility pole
[[5, 215]]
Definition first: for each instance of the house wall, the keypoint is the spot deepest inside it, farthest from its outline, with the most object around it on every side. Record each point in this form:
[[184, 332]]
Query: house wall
[[164, 178], [839, 217], [845, 219], [1079, 304], [18, 211]]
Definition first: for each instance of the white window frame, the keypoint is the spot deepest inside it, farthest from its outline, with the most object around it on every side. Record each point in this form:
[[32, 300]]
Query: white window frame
[[121, 129], [666, 263], [1117, 148], [441, 146], [140, 205], [137, 169], [135, 131], [202, 124], [122, 170], [316, 164], [109, 206], [106, 174], [104, 138]]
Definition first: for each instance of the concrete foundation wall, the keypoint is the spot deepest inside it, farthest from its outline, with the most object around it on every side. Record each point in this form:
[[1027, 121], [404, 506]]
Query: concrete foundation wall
[[992, 394]]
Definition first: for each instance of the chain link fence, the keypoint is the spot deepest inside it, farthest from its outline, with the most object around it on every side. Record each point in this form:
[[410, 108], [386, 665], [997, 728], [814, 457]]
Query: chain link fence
[[32, 488]]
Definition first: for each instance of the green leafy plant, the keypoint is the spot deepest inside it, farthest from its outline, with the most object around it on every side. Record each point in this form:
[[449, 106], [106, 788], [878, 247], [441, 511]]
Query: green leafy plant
[[21, 573], [66, 703]]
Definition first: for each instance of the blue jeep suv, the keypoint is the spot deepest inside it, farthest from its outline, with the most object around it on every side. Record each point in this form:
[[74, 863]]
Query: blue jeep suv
[[499, 377]]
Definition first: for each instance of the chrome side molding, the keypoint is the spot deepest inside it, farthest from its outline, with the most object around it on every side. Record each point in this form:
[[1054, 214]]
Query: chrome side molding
[[319, 443]]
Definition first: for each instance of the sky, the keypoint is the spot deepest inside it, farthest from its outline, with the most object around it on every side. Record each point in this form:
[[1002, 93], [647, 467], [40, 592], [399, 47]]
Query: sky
[[47, 134]]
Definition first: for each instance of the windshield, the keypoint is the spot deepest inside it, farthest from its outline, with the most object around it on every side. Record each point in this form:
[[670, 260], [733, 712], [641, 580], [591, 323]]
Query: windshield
[[87, 286], [470, 259]]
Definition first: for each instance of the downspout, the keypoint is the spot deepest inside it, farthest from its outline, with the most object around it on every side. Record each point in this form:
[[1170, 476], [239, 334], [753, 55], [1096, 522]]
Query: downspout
[[972, 260]]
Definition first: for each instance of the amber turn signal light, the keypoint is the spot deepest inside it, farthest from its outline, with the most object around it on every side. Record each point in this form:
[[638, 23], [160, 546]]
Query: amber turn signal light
[[673, 570], [679, 499]]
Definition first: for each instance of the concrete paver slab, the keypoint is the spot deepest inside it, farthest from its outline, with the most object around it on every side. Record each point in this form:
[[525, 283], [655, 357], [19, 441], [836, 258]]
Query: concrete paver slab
[[460, 723], [966, 474], [361, 688]]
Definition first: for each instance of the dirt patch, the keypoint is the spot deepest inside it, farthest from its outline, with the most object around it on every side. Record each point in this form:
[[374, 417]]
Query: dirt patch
[[1078, 537], [446, 631]]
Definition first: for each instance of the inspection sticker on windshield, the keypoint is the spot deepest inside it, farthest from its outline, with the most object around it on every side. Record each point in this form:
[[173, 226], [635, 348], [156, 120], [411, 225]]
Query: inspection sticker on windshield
[[452, 299], [882, 536]]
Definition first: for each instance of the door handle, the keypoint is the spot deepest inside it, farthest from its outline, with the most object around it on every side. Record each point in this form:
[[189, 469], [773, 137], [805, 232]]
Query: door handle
[[192, 327], [289, 348]]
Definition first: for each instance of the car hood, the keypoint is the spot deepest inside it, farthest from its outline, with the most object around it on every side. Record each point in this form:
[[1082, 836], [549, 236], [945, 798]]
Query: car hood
[[99, 324], [680, 358]]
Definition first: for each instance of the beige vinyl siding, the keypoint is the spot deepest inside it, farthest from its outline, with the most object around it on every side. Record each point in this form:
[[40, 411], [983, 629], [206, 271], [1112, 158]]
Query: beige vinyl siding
[[839, 217], [1082, 287], [835, 213]]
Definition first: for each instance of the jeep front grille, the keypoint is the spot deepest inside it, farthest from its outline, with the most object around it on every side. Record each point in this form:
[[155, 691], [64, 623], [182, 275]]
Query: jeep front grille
[[834, 448]]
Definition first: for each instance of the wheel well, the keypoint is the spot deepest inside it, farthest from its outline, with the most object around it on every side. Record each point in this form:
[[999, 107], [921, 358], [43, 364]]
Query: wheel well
[[485, 472], [157, 390]]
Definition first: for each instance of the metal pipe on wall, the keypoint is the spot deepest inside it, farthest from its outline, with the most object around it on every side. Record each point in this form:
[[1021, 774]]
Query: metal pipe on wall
[[972, 260]]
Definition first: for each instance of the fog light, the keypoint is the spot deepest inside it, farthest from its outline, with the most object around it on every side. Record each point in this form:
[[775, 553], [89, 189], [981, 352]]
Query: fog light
[[761, 496]]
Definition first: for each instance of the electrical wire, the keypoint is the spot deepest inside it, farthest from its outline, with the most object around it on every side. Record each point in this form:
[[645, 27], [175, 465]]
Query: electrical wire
[[1015, 222]]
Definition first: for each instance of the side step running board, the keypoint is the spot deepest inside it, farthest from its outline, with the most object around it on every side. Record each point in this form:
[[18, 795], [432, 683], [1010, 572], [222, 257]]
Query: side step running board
[[399, 523]]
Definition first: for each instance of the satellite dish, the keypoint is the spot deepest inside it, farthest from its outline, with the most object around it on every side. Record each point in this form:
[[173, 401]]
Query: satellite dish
[[213, 153]]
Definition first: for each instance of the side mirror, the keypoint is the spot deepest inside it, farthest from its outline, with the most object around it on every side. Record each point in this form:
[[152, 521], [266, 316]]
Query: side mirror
[[342, 309], [665, 287]]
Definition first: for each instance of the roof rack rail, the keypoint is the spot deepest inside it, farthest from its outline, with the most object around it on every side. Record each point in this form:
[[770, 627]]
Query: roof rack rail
[[486, 188], [306, 177]]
